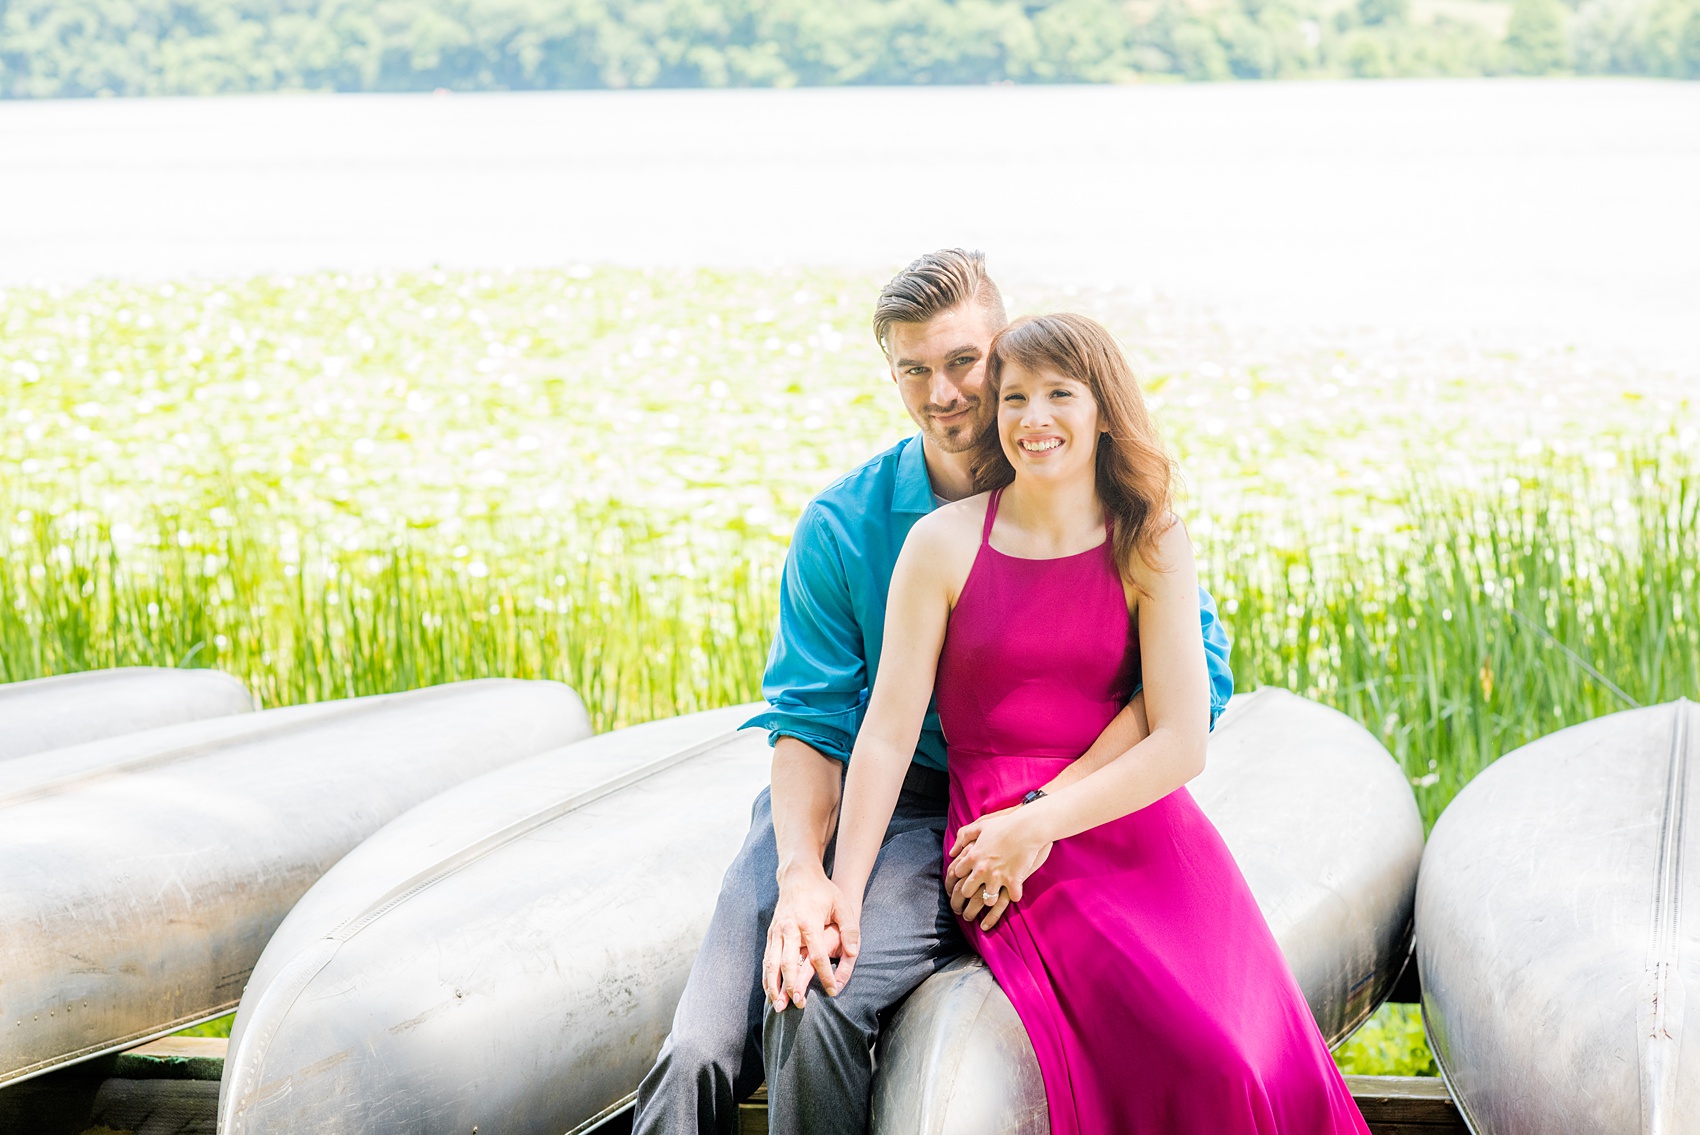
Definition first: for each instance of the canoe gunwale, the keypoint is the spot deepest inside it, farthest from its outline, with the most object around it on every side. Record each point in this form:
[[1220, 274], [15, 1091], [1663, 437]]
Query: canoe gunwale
[[1389, 982], [478, 849], [188, 752], [1451, 1084], [1659, 1014], [607, 1115], [107, 1048]]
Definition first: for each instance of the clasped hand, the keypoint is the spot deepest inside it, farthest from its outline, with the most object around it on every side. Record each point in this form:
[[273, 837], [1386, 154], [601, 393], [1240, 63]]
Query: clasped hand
[[996, 853], [812, 924]]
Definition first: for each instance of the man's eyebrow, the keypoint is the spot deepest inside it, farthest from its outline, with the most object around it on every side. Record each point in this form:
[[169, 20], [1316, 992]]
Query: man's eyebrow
[[969, 349]]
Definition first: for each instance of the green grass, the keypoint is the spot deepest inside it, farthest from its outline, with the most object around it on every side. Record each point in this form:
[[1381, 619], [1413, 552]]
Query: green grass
[[335, 486], [1390, 1043]]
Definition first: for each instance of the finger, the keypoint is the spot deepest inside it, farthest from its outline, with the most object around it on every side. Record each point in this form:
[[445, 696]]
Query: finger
[[770, 972], [818, 958], [959, 895], [996, 913], [791, 958], [962, 866], [850, 935], [1013, 890], [969, 888], [965, 836]]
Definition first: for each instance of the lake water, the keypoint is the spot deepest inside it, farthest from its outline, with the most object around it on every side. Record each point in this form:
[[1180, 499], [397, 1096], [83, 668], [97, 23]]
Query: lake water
[[1547, 213]]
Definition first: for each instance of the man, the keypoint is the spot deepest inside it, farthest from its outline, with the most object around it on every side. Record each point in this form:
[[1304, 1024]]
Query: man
[[746, 1012]]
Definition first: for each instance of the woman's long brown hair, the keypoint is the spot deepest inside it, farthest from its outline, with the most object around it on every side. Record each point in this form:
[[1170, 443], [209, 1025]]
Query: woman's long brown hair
[[1135, 472]]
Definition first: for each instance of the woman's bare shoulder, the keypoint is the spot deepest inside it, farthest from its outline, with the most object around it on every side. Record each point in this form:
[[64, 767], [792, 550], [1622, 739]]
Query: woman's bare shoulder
[[953, 523], [1170, 565], [946, 539]]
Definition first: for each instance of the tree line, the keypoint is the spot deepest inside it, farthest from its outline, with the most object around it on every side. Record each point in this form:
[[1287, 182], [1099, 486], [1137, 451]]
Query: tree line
[[71, 48]]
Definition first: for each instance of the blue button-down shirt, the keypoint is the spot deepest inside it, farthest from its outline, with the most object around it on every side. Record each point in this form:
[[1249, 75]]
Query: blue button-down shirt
[[821, 669]]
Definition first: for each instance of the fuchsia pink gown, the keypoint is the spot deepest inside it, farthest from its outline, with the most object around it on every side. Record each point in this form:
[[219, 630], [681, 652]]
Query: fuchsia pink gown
[[1156, 998]]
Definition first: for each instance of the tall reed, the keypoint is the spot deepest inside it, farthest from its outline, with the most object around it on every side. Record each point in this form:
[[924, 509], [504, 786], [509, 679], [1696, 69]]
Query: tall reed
[[1488, 621]]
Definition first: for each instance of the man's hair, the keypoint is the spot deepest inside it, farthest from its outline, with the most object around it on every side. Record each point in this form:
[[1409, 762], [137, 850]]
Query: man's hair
[[932, 285]]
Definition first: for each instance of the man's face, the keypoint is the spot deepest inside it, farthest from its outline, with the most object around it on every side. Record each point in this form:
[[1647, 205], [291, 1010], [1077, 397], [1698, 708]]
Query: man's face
[[940, 369]]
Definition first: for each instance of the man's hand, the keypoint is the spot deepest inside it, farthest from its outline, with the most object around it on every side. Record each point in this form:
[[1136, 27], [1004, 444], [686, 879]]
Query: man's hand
[[806, 933], [997, 852]]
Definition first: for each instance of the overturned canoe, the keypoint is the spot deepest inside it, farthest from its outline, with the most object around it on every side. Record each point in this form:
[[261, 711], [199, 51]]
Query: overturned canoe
[[1325, 828], [50, 713], [507, 956], [1559, 932], [136, 895]]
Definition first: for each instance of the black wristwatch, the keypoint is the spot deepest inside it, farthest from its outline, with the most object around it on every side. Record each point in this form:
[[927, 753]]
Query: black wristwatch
[[1031, 796]]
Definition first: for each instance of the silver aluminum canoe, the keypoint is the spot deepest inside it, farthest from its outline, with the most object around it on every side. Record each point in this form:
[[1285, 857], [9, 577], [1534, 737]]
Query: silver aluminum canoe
[[136, 894], [505, 957], [1324, 826], [1559, 932], [50, 713]]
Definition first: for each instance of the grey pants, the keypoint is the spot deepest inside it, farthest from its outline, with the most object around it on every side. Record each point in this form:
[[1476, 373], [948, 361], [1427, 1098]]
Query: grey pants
[[818, 1060]]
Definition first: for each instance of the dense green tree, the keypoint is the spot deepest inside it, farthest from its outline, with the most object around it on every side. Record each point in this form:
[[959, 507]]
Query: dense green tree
[[71, 48], [1537, 41], [1384, 11]]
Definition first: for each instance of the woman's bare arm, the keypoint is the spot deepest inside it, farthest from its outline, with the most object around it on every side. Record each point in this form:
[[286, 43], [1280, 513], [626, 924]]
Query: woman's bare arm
[[917, 612]]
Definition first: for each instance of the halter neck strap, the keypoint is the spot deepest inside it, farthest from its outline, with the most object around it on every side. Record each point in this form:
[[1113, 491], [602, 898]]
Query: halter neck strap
[[991, 515]]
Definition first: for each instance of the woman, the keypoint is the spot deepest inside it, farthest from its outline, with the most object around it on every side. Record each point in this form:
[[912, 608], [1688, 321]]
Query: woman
[[1105, 903]]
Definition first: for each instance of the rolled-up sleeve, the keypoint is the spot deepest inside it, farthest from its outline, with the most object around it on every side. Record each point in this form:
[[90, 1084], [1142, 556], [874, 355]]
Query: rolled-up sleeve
[[1216, 649], [817, 677]]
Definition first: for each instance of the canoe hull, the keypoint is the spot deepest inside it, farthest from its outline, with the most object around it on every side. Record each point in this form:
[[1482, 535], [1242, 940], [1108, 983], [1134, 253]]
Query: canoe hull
[[508, 955], [136, 897], [1560, 931], [70, 709], [956, 1059], [503, 958]]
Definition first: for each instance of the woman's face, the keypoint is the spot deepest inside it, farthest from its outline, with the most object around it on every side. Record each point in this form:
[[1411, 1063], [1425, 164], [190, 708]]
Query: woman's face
[[1048, 423]]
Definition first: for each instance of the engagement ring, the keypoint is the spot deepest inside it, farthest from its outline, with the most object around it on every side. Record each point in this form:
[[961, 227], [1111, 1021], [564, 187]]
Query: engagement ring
[[989, 896]]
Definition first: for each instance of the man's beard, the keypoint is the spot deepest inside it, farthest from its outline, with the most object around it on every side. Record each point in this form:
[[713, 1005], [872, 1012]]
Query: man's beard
[[954, 439]]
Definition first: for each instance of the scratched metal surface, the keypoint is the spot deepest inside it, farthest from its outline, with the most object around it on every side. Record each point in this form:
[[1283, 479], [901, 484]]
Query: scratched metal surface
[[139, 883], [1324, 826], [1559, 915], [507, 956], [69, 709]]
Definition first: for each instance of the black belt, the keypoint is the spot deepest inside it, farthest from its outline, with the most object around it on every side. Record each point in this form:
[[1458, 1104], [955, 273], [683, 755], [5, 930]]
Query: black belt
[[930, 782]]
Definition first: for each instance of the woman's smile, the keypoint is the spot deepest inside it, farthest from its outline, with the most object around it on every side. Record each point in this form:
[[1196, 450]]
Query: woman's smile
[[1040, 414]]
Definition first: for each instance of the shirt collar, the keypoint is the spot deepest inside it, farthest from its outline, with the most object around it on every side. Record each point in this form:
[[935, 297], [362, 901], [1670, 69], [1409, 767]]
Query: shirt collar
[[914, 489]]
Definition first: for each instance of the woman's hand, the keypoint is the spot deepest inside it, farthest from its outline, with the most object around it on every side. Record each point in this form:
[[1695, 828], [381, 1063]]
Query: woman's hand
[[995, 854]]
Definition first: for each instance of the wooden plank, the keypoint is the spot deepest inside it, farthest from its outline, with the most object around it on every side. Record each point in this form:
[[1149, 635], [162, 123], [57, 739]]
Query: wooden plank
[[1405, 1105], [188, 1047], [174, 1058], [158, 1107]]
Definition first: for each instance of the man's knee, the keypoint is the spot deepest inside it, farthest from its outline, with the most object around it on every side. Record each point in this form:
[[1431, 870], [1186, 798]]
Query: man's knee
[[824, 1025], [692, 1051]]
